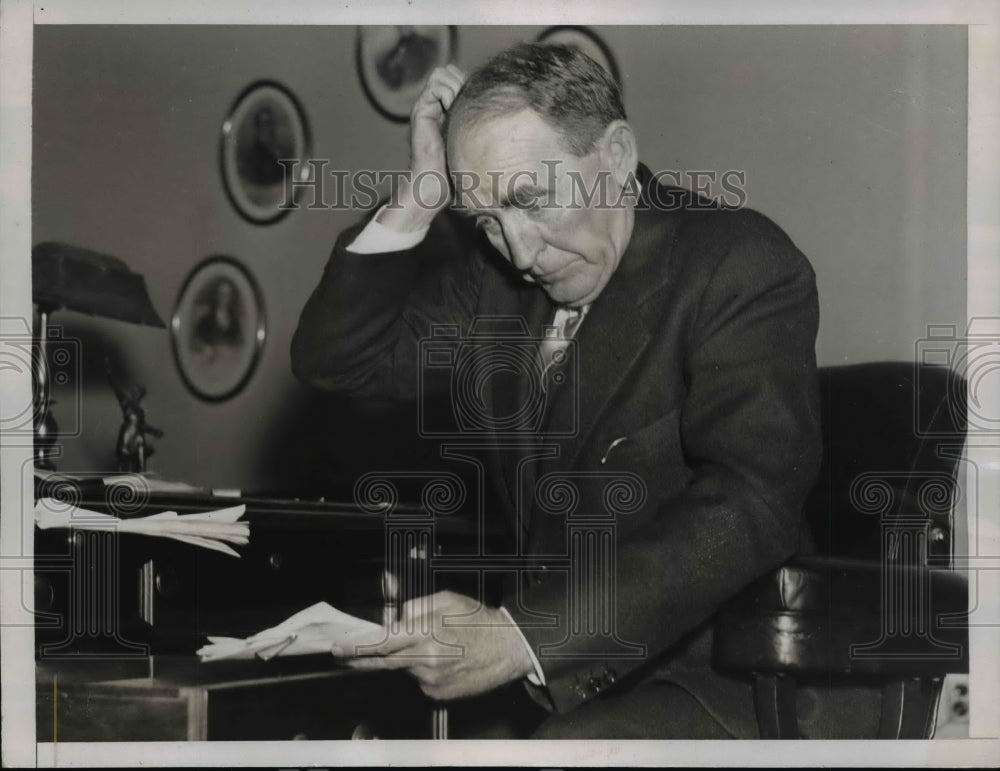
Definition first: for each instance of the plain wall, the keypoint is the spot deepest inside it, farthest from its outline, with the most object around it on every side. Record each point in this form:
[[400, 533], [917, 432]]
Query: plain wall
[[852, 139]]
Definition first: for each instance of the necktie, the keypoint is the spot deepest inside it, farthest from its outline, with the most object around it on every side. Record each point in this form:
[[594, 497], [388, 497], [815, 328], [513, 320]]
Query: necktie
[[552, 348]]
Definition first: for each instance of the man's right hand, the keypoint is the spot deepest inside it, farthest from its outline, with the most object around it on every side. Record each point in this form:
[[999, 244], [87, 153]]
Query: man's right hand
[[417, 201]]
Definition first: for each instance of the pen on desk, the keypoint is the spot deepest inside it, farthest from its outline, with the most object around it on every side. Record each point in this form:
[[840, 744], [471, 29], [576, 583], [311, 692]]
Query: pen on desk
[[266, 654]]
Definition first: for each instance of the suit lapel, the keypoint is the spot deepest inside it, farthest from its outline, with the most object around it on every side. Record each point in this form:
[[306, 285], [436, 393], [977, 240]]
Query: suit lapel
[[612, 337], [607, 346]]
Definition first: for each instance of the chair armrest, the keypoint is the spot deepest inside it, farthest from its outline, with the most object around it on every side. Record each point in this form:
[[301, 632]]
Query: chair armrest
[[831, 615]]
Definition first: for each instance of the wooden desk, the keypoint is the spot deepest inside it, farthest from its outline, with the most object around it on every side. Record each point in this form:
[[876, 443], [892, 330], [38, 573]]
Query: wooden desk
[[121, 616], [182, 700]]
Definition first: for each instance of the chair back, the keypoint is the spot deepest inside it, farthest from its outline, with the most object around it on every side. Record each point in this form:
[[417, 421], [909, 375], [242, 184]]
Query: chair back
[[892, 436]]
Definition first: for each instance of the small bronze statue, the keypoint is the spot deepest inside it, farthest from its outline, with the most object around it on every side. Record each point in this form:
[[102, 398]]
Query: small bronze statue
[[133, 448]]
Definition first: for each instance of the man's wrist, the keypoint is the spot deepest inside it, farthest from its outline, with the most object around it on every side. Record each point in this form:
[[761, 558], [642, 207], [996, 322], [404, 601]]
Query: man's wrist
[[406, 213], [534, 673], [376, 238]]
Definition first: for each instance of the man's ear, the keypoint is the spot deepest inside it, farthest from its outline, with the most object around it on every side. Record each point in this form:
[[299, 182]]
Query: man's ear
[[619, 150]]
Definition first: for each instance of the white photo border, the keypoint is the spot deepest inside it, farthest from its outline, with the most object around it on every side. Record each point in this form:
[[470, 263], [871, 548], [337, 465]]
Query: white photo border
[[16, 27]]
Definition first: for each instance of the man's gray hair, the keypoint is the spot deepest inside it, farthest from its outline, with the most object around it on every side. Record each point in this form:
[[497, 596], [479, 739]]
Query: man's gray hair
[[564, 87]]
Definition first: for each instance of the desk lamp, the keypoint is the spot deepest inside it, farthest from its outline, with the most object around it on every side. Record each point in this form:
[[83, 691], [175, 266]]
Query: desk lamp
[[64, 276]]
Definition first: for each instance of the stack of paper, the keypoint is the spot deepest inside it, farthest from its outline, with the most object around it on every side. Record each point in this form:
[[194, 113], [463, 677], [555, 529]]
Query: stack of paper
[[206, 528], [313, 630]]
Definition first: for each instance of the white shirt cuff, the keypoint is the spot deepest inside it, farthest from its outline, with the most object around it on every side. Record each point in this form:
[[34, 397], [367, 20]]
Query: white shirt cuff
[[538, 676], [377, 238]]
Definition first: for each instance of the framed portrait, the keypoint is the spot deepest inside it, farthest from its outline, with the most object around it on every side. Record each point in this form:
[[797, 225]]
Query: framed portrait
[[265, 126], [394, 63], [217, 329], [587, 41]]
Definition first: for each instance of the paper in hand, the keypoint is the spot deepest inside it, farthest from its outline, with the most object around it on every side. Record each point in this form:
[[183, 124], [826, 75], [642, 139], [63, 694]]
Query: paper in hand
[[313, 630]]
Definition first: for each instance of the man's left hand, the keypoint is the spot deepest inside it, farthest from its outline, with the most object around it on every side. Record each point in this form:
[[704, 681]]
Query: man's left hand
[[452, 644]]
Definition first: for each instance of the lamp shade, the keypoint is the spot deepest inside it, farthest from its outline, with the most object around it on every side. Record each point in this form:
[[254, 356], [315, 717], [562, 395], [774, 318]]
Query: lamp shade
[[64, 276]]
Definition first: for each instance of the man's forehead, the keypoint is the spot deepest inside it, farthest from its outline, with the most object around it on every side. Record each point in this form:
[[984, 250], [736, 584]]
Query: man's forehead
[[494, 187], [498, 156], [504, 140]]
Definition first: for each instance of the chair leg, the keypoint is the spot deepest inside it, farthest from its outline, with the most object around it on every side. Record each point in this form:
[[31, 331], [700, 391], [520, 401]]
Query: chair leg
[[775, 696], [908, 708]]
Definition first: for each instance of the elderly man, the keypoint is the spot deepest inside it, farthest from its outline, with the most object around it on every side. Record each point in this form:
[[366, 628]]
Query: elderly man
[[693, 332]]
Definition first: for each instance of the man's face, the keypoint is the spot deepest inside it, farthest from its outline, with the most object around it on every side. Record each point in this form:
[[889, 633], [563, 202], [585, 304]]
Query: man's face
[[528, 193]]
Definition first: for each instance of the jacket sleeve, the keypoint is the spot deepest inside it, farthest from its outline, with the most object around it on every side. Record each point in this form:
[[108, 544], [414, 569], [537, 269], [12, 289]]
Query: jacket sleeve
[[360, 331], [749, 426]]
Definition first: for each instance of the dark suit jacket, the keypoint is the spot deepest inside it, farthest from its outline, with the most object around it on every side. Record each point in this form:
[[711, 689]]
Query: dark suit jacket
[[700, 351]]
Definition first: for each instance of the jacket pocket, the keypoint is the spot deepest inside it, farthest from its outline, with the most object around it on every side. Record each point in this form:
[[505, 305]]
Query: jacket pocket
[[659, 440], [655, 454]]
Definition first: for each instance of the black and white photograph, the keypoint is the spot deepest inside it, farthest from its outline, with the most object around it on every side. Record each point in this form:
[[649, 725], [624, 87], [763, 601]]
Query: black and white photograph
[[264, 139], [394, 63], [218, 328], [415, 387]]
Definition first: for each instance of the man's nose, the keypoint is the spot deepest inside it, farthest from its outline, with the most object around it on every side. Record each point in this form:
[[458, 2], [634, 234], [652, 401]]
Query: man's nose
[[523, 244]]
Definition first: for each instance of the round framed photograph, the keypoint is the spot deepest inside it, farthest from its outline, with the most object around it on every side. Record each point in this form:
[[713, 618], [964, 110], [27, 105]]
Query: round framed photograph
[[395, 62], [217, 329], [264, 128], [587, 41]]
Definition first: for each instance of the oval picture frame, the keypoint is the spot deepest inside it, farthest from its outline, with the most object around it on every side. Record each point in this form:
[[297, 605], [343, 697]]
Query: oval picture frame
[[217, 328], [394, 63], [265, 125]]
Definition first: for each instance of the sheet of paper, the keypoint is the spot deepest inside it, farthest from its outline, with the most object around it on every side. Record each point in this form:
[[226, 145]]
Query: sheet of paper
[[207, 529], [313, 630]]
